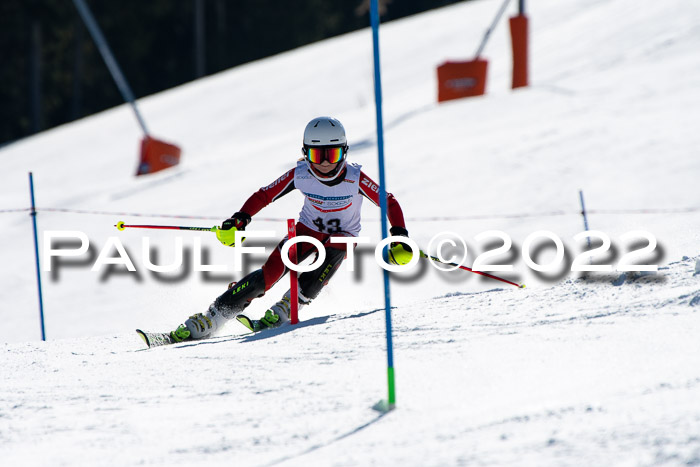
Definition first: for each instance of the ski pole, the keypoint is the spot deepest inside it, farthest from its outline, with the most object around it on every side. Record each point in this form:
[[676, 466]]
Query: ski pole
[[121, 226], [486, 274]]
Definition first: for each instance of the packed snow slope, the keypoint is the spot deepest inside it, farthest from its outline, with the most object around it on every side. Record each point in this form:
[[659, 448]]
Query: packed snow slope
[[595, 370]]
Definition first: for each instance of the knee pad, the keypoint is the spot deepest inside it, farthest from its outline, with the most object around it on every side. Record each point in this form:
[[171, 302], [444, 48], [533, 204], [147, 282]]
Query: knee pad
[[239, 296], [311, 282]]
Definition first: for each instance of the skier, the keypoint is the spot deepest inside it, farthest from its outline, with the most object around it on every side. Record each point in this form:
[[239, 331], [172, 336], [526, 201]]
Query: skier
[[333, 190]]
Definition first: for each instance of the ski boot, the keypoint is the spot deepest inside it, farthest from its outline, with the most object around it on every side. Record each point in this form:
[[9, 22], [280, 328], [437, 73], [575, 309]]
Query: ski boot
[[277, 314], [202, 325], [197, 326], [274, 317]]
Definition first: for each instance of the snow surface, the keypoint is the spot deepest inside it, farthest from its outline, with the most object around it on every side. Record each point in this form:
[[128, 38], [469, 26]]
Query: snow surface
[[602, 370]]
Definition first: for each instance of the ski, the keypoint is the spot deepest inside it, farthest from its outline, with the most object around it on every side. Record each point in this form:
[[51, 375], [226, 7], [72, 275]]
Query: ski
[[255, 325], [252, 325], [155, 339]]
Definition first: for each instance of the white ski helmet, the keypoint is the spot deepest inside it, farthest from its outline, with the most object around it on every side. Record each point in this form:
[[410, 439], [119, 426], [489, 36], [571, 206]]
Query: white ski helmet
[[325, 136]]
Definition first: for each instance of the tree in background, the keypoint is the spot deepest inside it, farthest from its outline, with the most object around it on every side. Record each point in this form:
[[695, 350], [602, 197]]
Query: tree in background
[[52, 73]]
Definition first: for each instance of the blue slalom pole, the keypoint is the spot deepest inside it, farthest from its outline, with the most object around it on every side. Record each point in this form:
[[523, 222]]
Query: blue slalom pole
[[36, 255], [585, 216], [374, 18]]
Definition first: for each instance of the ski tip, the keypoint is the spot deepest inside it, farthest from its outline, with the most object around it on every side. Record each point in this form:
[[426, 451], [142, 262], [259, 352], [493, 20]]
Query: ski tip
[[144, 337], [522, 286], [245, 321]]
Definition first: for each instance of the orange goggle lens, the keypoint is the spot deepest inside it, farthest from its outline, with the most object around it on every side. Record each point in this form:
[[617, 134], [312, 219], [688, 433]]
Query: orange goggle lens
[[318, 155]]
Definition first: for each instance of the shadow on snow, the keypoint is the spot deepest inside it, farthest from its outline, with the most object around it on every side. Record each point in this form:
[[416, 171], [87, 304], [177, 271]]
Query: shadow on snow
[[274, 332]]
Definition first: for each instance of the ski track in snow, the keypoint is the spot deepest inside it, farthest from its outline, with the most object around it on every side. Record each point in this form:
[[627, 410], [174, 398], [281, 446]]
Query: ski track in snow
[[461, 388]]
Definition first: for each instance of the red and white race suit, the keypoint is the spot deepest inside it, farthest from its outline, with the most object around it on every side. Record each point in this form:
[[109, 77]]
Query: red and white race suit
[[329, 207]]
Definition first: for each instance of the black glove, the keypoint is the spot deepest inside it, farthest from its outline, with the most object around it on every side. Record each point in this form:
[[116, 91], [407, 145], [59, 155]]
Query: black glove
[[239, 220], [400, 232]]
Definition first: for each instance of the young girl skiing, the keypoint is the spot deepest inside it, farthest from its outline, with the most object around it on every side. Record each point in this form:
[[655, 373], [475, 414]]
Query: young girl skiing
[[333, 190]]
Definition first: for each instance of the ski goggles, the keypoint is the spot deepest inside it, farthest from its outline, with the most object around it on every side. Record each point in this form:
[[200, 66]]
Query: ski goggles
[[317, 155]]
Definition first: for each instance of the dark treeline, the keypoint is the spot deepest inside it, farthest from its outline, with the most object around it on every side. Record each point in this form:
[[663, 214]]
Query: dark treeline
[[52, 72]]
